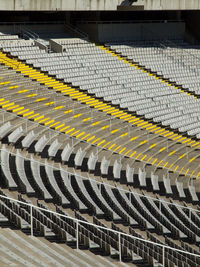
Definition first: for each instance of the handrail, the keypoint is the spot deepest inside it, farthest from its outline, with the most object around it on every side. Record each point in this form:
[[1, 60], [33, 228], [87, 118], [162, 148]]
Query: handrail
[[77, 30], [145, 162], [78, 222], [30, 32]]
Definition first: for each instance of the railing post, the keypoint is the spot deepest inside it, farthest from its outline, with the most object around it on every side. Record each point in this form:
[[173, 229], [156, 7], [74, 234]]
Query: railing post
[[160, 205], [26, 126], [120, 255], [190, 216], [77, 244], [31, 214], [163, 256]]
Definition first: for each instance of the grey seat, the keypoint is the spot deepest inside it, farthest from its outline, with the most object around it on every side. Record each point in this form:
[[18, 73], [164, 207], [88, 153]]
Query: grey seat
[[5, 129], [15, 135], [6, 168]]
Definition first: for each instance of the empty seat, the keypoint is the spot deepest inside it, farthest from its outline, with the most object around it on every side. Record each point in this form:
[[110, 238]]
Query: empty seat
[[104, 166], [6, 168], [92, 161], [41, 143], [53, 149], [167, 185], [129, 174], [80, 154], [66, 153], [154, 181], [5, 129], [179, 186], [28, 139], [117, 169], [15, 135], [19, 161], [142, 178], [35, 168]]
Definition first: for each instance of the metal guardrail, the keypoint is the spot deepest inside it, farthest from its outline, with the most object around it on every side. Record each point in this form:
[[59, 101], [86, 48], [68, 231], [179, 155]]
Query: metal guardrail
[[78, 221], [77, 31], [29, 33]]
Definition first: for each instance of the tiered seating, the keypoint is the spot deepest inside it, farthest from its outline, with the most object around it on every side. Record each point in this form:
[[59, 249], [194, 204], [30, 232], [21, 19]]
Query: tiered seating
[[177, 68], [70, 235], [129, 87], [38, 252], [4, 37], [88, 157]]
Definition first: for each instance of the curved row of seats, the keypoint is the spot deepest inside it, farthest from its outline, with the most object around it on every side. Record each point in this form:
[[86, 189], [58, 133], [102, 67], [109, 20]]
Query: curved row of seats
[[71, 190], [151, 57], [131, 173], [42, 161], [87, 190], [131, 94], [44, 105], [34, 134]]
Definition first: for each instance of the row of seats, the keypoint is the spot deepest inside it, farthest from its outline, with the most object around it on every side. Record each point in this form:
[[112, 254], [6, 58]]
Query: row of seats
[[67, 154], [34, 171], [43, 181], [172, 69], [95, 83], [97, 240]]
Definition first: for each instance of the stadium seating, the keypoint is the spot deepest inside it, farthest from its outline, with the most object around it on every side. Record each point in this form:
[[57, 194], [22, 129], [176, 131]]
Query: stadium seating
[[161, 101], [65, 150]]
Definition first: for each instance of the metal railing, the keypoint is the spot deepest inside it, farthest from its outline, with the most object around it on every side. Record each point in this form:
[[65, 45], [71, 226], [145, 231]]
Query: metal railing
[[29, 33], [76, 31], [78, 222], [80, 140]]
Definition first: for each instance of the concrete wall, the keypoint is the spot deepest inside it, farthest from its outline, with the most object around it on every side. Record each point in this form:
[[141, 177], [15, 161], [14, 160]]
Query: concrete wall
[[38, 28], [59, 4], [134, 31], [40, 45], [192, 27], [171, 4], [20, 5], [55, 46]]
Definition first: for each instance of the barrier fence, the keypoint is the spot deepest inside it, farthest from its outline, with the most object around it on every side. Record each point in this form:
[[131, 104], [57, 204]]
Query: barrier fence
[[120, 234]]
